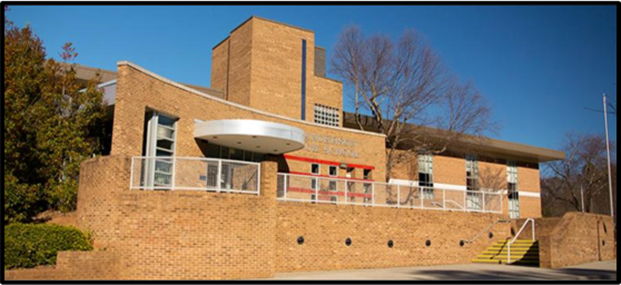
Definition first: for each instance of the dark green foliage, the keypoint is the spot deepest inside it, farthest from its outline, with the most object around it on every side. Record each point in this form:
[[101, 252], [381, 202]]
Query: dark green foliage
[[51, 124], [30, 245]]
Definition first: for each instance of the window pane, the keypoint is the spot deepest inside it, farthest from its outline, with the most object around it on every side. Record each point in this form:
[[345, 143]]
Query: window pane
[[315, 168], [224, 152], [213, 150], [236, 154], [367, 174], [258, 157], [166, 121], [165, 144], [333, 170]]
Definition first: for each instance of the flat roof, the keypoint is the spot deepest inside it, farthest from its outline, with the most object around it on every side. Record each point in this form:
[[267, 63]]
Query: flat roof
[[491, 147], [264, 19]]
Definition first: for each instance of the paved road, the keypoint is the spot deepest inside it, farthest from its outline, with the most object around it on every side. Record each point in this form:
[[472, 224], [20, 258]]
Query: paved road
[[604, 270]]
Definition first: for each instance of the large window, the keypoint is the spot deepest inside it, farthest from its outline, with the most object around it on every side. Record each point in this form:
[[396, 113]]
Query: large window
[[425, 175], [473, 200], [159, 148], [472, 173], [327, 115], [512, 190], [223, 152]]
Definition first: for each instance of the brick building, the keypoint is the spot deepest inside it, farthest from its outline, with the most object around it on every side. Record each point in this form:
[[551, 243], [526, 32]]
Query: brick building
[[264, 172]]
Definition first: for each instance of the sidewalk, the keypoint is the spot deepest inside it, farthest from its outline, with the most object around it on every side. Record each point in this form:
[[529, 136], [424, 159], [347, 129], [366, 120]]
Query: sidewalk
[[603, 270]]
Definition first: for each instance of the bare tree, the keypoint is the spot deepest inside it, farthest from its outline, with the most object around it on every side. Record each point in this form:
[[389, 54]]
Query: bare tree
[[401, 83], [583, 169]]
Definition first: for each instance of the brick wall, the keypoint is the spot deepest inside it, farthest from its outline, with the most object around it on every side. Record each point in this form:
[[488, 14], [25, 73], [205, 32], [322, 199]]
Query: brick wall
[[264, 69], [325, 227], [102, 180], [197, 234], [575, 238], [80, 265]]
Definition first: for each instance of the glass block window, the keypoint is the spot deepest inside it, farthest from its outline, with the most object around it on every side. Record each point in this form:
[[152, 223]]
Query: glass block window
[[326, 115]]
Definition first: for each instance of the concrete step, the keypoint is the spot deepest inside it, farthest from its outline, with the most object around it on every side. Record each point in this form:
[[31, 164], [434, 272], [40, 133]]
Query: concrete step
[[536, 259], [514, 246], [505, 252], [523, 252], [504, 261]]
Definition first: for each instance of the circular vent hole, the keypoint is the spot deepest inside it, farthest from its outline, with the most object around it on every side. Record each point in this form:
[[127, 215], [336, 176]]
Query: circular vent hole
[[348, 241]]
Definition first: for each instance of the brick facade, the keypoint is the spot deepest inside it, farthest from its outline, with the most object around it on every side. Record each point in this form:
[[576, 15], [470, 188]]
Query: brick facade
[[325, 227], [574, 239]]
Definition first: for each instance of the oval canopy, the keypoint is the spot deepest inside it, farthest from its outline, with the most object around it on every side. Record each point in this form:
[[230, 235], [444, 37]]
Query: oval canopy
[[251, 135]]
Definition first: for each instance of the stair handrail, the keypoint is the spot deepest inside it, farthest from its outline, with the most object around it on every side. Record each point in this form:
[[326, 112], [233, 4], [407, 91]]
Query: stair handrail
[[532, 221], [487, 229]]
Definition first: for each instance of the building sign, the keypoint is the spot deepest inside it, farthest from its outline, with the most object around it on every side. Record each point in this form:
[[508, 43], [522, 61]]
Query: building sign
[[331, 145]]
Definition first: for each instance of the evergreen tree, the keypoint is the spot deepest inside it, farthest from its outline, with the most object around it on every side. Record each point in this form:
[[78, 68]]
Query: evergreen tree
[[51, 125]]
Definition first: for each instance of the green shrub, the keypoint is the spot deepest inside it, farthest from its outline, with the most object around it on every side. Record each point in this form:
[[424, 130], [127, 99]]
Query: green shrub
[[30, 245]]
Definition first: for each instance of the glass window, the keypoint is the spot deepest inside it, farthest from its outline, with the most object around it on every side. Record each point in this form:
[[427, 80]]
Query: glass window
[[366, 174], [512, 190], [248, 155], [213, 150], [425, 175], [258, 157], [236, 154], [333, 170], [315, 168], [512, 174], [224, 152], [159, 147], [472, 173]]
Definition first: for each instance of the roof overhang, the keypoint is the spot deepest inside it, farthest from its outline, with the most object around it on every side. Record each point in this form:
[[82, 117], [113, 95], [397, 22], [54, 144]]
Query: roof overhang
[[484, 146], [251, 135]]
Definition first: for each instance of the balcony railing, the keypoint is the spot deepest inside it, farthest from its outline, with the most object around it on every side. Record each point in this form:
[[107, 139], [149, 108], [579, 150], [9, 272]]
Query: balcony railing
[[315, 189], [194, 173]]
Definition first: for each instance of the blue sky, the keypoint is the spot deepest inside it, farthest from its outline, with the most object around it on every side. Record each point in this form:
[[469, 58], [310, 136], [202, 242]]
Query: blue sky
[[538, 66]]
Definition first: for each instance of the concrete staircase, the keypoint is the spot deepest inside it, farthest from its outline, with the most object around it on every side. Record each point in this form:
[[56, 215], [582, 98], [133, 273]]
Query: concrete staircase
[[523, 252]]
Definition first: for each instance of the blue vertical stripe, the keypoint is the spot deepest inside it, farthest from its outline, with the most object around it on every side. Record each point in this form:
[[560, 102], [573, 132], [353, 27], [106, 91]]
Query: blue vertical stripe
[[303, 79]]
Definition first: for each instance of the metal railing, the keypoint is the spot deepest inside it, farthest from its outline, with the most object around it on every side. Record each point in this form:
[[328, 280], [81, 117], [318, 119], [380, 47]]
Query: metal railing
[[529, 220], [194, 173], [319, 189], [487, 229]]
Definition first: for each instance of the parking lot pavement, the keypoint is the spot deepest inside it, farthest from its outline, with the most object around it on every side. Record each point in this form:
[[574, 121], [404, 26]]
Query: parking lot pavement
[[603, 270]]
